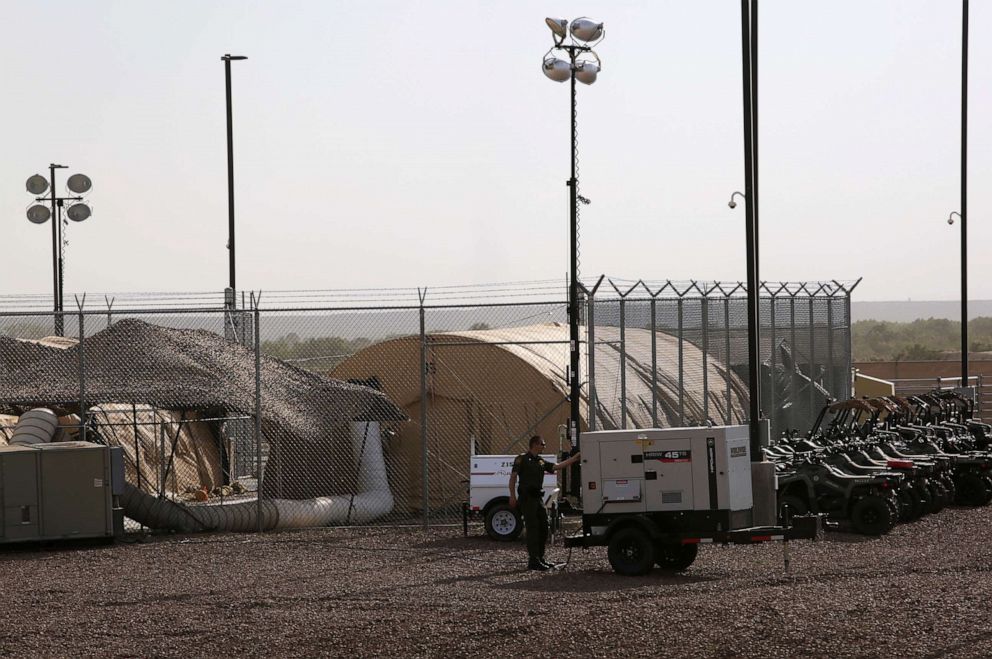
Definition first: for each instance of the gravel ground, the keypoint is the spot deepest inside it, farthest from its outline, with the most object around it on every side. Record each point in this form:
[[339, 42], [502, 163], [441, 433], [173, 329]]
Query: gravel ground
[[923, 590]]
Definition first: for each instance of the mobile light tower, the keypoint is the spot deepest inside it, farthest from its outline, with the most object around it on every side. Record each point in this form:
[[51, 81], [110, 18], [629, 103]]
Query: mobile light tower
[[571, 58], [77, 211]]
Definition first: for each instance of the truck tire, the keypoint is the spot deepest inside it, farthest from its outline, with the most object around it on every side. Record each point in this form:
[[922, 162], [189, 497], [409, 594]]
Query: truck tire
[[871, 515], [675, 557], [631, 552], [503, 523]]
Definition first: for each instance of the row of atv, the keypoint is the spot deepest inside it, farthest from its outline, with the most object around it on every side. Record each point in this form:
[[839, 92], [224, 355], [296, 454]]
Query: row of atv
[[872, 463]]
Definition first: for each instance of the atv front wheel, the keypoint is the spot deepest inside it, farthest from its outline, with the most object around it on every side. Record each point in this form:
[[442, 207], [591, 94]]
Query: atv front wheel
[[872, 516]]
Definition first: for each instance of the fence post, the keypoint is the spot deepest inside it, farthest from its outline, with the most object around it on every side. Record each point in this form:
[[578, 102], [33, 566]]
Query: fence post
[[137, 448], [812, 357], [849, 342], [729, 416], [623, 364], [257, 432], [794, 415], [110, 309], [681, 368], [591, 362], [831, 370], [424, 466], [654, 363], [705, 308], [161, 459], [772, 412], [80, 303], [82, 377]]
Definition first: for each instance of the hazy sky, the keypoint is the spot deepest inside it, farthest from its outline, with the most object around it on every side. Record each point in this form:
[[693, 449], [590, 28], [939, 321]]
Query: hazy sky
[[418, 143]]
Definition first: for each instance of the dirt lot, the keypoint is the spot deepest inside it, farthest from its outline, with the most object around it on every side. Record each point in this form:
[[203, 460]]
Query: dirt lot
[[924, 590]]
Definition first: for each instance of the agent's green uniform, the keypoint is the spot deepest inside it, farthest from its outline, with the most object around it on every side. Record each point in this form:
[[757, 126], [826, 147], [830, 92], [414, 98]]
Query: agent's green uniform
[[530, 470]]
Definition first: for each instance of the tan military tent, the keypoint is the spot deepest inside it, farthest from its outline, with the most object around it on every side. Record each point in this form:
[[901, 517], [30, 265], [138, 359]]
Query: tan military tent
[[495, 388]]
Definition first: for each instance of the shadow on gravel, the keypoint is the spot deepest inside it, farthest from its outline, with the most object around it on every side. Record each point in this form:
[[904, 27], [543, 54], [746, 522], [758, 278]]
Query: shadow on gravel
[[599, 581], [30, 551], [473, 543], [971, 643], [481, 578], [849, 538]]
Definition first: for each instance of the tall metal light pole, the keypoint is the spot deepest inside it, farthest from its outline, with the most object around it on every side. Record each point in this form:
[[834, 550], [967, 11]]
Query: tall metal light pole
[[227, 59], [57, 251], [963, 213], [39, 214], [964, 193], [583, 64], [749, 61]]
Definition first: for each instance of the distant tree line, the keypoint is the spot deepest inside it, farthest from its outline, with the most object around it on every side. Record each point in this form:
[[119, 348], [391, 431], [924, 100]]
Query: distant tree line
[[26, 330], [930, 338], [316, 354]]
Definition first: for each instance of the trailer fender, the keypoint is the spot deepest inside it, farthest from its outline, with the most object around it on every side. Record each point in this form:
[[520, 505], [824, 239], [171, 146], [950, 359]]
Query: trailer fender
[[493, 502], [639, 521]]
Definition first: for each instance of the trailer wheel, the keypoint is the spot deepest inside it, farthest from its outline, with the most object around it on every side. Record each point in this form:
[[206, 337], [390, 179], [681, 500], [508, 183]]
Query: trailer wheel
[[675, 557], [872, 516], [503, 523], [631, 552]]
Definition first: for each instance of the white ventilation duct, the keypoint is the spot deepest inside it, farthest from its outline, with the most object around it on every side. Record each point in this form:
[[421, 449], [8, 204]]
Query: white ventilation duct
[[37, 426], [373, 500]]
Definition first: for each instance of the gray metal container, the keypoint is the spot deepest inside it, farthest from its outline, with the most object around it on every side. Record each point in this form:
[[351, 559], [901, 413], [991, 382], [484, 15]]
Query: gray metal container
[[56, 491]]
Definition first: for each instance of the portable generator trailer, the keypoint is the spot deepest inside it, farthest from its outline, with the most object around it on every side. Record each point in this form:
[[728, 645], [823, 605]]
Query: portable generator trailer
[[653, 496]]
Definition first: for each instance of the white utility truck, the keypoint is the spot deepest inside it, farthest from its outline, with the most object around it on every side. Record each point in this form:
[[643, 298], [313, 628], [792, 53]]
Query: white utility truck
[[652, 496], [489, 496]]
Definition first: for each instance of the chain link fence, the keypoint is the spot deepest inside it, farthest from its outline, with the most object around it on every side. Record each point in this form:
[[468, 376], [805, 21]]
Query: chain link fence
[[252, 418]]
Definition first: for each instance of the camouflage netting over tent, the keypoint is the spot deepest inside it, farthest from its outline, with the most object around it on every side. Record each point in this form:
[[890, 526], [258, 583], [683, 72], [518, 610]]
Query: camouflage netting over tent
[[15, 354], [304, 416]]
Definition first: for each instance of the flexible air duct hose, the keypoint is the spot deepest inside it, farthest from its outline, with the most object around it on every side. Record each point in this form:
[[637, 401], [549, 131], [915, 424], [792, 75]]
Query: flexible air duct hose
[[37, 426], [372, 501]]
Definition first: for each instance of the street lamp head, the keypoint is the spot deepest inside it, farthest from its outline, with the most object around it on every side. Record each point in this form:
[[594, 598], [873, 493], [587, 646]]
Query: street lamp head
[[585, 72], [950, 218], [559, 26], [36, 184], [556, 69], [733, 204], [39, 214], [78, 212], [79, 183], [231, 58], [585, 29]]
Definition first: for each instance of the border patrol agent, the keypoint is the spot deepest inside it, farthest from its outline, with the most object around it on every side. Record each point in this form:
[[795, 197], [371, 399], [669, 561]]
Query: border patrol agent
[[526, 483]]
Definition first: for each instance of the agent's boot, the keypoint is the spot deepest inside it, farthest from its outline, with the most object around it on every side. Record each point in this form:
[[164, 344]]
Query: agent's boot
[[536, 564]]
